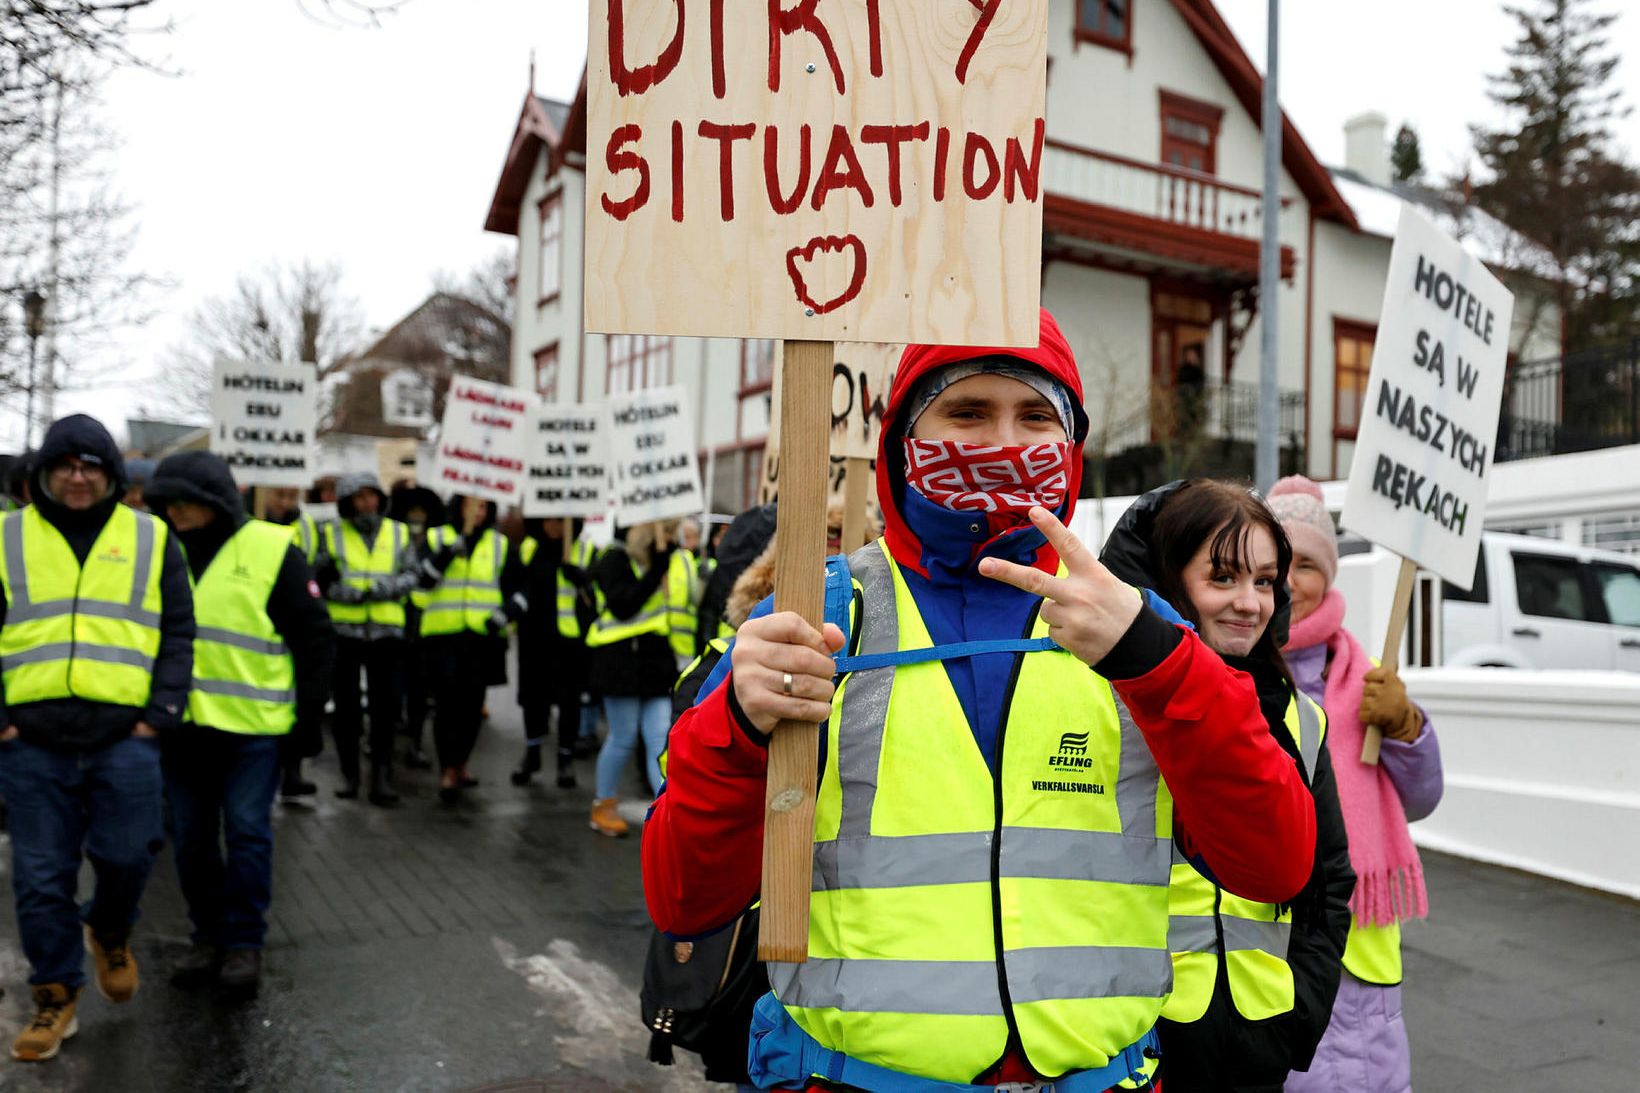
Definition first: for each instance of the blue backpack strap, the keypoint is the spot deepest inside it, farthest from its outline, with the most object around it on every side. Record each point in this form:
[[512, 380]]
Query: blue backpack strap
[[840, 597], [953, 651]]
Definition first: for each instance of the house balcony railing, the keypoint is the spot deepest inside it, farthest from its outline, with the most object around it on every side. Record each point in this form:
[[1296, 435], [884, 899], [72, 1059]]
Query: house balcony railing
[[1156, 191], [1577, 403], [1186, 430]]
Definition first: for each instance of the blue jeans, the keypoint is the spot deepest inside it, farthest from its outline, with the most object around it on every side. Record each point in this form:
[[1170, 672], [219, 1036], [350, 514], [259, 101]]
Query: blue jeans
[[102, 804], [628, 716], [220, 786]]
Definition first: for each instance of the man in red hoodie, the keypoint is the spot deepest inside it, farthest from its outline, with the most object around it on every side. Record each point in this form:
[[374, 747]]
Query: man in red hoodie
[[995, 822]]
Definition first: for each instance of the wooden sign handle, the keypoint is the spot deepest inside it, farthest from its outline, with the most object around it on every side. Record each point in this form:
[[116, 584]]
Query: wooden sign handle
[[569, 539], [854, 503], [259, 502], [1374, 739], [799, 585]]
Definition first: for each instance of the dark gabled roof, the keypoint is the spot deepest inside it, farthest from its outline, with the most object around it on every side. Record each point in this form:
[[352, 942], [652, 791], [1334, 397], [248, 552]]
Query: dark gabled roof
[[442, 320], [540, 125]]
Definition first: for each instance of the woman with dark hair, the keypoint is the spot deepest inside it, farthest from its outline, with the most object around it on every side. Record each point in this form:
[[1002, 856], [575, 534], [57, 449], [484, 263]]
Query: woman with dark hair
[[469, 576], [1253, 982]]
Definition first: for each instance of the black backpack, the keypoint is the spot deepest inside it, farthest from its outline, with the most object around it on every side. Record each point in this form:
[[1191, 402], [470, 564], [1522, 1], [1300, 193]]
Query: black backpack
[[698, 995]]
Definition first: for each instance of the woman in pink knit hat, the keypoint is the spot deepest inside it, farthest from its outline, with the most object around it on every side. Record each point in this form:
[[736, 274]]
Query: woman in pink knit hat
[[1365, 1049]]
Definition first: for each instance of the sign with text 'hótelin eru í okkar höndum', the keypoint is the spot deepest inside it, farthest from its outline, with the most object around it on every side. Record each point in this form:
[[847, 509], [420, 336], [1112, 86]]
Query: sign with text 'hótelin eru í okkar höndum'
[[859, 171], [482, 441], [263, 419], [652, 456], [1429, 415], [567, 464]]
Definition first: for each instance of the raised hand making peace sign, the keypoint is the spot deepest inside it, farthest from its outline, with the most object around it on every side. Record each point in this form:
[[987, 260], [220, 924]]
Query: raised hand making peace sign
[[1087, 610]]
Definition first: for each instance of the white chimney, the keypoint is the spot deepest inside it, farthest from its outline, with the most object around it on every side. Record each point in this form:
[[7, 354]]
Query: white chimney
[[1366, 149]]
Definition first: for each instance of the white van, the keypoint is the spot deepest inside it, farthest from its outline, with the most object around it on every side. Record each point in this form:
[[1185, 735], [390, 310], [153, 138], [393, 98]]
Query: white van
[[1538, 603]]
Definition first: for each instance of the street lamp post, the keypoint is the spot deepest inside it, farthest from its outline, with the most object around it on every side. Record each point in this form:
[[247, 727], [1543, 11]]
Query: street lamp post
[[34, 320]]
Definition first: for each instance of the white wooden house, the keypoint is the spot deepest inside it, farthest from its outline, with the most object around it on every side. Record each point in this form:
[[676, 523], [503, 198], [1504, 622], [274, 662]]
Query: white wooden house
[[1152, 172]]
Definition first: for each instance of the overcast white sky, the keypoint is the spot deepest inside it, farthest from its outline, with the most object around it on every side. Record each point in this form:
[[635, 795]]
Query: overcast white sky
[[379, 149]]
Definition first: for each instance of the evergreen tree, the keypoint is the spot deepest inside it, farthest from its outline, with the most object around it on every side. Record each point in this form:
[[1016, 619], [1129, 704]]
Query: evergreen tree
[[1406, 156], [1555, 175]]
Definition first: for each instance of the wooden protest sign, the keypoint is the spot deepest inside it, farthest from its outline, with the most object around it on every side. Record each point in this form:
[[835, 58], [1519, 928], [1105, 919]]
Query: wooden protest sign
[[568, 461], [652, 456], [263, 419], [481, 442], [1418, 480], [861, 375], [846, 172], [396, 460], [858, 172]]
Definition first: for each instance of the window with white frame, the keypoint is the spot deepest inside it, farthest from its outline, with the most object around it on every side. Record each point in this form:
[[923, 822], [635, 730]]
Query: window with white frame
[[637, 362], [552, 246]]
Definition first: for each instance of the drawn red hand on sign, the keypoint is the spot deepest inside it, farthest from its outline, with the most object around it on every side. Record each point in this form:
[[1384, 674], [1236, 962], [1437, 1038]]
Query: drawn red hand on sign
[[800, 262]]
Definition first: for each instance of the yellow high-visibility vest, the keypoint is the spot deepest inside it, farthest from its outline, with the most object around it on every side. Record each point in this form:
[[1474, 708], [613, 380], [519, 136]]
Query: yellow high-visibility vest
[[244, 677], [74, 631], [361, 567], [651, 618], [681, 615], [305, 532], [470, 590], [951, 906], [1205, 920], [582, 554]]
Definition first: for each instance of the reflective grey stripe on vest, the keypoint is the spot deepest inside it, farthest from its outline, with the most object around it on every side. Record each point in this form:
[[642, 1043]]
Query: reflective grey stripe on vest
[[145, 558], [16, 571], [1192, 934], [78, 650], [338, 549], [1244, 933], [901, 861], [866, 694], [636, 620], [968, 988], [229, 688], [1309, 734], [241, 641], [367, 631], [101, 609], [1139, 779]]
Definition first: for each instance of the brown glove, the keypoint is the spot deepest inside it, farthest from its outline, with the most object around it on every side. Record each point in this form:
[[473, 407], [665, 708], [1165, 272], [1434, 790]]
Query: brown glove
[[1384, 703]]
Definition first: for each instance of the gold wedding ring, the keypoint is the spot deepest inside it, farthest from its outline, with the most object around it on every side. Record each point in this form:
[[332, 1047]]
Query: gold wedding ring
[[786, 682]]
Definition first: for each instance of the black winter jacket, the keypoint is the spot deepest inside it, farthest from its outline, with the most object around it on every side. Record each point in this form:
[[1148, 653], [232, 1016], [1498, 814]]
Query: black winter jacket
[[294, 606], [1223, 1050], [75, 722], [645, 666]]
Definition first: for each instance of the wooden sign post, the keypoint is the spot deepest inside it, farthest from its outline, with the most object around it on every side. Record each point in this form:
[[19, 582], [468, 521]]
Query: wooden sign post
[[1428, 417], [818, 174]]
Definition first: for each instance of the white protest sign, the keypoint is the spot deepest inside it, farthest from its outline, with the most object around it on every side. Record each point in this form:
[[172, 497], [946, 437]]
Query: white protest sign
[[652, 451], [837, 172], [263, 420], [567, 461], [482, 441], [1429, 416]]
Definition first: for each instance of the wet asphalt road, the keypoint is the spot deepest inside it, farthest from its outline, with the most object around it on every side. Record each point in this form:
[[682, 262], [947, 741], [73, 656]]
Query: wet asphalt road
[[499, 944]]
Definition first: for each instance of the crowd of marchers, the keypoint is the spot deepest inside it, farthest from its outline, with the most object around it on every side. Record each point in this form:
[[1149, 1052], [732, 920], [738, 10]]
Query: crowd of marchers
[[168, 662]]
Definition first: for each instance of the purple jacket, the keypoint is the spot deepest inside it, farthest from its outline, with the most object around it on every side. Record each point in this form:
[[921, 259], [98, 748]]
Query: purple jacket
[[1365, 1049]]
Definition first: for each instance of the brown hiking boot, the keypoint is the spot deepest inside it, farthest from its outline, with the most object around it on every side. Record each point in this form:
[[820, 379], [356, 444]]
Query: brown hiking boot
[[605, 820], [52, 1024], [116, 966]]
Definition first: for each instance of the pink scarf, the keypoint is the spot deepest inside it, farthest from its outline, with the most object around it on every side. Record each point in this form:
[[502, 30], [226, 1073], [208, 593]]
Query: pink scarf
[[1389, 884]]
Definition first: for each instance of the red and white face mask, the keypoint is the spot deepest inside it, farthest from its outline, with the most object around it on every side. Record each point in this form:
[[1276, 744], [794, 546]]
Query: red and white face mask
[[1002, 481]]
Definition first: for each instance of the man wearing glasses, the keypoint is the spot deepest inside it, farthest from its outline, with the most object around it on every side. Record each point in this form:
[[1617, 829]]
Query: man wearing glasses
[[96, 652]]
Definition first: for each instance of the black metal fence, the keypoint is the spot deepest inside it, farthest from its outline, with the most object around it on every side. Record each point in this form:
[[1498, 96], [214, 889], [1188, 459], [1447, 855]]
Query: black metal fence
[[1577, 403]]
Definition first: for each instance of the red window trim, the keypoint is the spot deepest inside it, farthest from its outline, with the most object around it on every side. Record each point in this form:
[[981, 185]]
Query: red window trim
[[1358, 331], [554, 198], [1191, 110], [657, 348], [557, 373], [1099, 38]]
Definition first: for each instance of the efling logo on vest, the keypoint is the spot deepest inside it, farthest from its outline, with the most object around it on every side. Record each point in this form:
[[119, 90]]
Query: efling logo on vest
[[1070, 760], [112, 554]]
